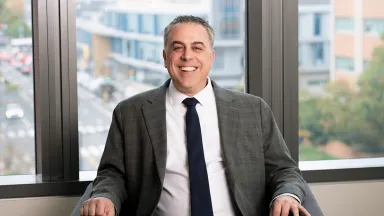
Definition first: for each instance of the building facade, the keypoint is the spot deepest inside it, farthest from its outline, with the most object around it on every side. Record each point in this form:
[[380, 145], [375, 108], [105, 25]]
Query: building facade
[[358, 27], [125, 40], [314, 44]]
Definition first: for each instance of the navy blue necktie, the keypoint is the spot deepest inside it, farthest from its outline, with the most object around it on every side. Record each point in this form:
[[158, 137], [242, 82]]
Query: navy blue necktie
[[201, 204]]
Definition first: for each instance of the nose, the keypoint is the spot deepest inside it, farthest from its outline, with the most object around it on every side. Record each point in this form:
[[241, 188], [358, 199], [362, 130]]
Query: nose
[[187, 55]]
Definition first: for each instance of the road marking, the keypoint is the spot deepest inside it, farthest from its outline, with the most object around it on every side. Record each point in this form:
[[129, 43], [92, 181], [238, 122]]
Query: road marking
[[91, 130], [101, 148], [94, 151], [99, 128], [21, 133], [31, 132], [11, 134], [84, 152], [82, 129]]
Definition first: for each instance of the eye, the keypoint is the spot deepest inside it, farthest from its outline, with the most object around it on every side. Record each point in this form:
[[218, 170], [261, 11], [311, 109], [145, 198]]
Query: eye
[[197, 48], [177, 48]]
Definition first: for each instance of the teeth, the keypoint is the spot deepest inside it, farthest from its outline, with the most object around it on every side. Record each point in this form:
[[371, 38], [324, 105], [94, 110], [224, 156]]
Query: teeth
[[188, 68]]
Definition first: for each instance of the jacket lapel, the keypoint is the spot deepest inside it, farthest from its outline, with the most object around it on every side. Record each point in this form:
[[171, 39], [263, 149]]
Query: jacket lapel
[[154, 115], [228, 117]]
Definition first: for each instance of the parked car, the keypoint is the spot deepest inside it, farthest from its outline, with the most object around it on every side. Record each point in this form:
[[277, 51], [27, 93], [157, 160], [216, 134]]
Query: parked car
[[26, 69], [14, 111]]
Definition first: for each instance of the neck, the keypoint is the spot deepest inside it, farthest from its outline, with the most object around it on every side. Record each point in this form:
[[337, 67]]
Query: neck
[[191, 91]]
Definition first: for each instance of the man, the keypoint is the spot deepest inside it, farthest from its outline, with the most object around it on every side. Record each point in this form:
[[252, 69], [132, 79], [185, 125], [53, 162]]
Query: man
[[193, 148]]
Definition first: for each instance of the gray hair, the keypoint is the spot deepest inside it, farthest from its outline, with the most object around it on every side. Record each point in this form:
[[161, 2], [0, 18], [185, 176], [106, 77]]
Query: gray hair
[[189, 19]]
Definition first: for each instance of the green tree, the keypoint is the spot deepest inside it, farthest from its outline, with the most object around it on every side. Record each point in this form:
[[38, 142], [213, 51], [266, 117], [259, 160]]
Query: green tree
[[13, 20], [310, 118], [350, 113], [370, 106], [337, 110]]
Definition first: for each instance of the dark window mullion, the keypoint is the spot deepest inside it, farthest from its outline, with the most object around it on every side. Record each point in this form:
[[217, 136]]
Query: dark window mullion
[[41, 88], [255, 58], [54, 93], [69, 89], [291, 83]]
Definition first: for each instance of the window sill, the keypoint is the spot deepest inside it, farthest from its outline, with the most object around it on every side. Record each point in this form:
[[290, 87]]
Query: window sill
[[341, 164], [23, 186], [343, 170]]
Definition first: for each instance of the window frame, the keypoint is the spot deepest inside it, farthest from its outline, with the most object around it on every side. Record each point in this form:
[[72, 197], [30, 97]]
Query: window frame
[[270, 71]]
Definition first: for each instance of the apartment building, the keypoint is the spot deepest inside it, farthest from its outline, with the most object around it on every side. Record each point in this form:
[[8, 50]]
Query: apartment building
[[358, 27]]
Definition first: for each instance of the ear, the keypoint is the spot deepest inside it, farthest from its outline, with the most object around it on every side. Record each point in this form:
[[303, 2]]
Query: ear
[[165, 58], [212, 57]]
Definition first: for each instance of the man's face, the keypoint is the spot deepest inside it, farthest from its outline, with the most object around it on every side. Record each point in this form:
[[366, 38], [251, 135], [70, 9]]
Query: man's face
[[188, 57]]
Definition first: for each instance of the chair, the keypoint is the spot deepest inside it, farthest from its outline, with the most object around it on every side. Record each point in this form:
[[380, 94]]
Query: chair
[[308, 203]]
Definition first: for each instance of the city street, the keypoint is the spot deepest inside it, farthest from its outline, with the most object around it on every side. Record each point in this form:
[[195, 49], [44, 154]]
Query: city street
[[17, 135]]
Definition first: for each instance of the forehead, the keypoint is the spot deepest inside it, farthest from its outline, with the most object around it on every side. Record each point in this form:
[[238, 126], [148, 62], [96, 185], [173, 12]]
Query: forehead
[[188, 33]]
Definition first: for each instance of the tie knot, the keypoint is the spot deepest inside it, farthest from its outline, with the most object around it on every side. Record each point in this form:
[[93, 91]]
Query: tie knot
[[190, 102]]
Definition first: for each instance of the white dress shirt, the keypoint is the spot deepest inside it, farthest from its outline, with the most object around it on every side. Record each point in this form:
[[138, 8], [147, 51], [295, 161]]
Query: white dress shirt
[[175, 196]]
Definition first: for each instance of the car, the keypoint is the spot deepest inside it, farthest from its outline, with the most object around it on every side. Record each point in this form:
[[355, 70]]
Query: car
[[14, 111], [26, 69]]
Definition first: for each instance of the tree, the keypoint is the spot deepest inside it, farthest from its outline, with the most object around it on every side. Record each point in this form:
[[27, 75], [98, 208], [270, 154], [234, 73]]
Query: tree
[[370, 107], [310, 118], [13, 20], [352, 113]]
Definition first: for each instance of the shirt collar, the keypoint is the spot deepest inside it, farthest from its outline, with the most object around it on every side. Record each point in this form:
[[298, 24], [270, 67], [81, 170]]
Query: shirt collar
[[204, 97]]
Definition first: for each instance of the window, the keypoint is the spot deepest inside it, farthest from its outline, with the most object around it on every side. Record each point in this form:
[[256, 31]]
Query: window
[[163, 21], [129, 48], [374, 26], [344, 24], [147, 24], [122, 22], [340, 121], [317, 53], [366, 64], [344, 63], [218, 63], [317, 24], [230, 24], [116, 45], [316, 82], [126, 65], [133, 23], [17, 127]]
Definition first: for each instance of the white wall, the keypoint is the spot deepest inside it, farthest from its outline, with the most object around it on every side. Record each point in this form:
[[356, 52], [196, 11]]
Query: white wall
[[336, 199]]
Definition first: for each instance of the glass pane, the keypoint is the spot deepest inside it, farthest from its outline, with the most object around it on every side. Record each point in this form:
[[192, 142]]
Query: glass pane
[[341, 97], [17, 129], [119, 54]]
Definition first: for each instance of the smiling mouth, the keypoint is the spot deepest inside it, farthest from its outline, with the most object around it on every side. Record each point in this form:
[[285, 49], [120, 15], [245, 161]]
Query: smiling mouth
[[188, 69]]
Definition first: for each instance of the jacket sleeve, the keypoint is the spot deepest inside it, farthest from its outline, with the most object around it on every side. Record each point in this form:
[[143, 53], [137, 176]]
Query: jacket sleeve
[[109, 182], [281, 171]]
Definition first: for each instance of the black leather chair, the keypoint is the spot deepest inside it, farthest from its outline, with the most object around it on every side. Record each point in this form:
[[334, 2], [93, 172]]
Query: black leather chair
[[308, 203]]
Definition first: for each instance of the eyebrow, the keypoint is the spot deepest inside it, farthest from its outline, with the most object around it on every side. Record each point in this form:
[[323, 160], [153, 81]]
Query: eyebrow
[[194, 43]]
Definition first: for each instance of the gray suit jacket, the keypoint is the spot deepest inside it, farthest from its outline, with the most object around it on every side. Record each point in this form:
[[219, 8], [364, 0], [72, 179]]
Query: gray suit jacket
[[132, 167]]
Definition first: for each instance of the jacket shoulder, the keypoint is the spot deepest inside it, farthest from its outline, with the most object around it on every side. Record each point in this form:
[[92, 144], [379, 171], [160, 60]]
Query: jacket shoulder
[[243, 98]]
